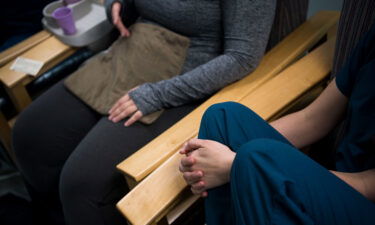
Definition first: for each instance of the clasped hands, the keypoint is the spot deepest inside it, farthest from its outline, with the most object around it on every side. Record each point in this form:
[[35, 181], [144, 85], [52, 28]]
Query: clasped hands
[[206, 164]]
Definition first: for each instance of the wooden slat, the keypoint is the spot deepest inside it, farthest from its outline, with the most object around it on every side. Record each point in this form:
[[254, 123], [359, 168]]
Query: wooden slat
[[46, 52], [145, 211], [302, 101], [292, 83], [144, 161], [20, 48], [151, 197], [186, 201]]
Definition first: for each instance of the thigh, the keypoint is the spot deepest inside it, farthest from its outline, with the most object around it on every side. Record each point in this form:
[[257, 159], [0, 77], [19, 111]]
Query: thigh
[[90, 174], [47, 132], [273, 183]]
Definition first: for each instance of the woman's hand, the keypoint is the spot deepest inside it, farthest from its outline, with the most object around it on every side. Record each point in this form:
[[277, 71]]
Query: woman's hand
[[125, 107], [207, 164], [116, 8]]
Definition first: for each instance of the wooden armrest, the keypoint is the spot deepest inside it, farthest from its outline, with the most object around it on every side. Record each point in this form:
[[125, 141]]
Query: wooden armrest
[[144, 161], [153, 197], [49, 51], [23, 46]]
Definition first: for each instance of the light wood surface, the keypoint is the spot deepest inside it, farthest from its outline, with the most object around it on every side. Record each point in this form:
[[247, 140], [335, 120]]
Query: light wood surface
[[46, 52], [25, 45], [151, 197], [292, 83], [19, 96], [148, 158], [50, 51]]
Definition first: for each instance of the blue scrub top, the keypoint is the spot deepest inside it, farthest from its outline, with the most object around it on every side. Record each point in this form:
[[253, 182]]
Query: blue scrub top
[[356, 81]]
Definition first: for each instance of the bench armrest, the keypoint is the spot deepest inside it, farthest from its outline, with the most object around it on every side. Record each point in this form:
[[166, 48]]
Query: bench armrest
[[11, 53], [156, 194], [148, 158]]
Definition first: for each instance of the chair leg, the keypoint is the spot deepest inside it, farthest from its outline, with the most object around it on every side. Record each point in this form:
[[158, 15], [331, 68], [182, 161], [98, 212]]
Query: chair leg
[[5, 136], [19, 96]]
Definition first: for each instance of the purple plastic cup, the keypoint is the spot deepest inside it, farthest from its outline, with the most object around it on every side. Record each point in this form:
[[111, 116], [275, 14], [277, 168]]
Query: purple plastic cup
[[64, 18], [67, 2]]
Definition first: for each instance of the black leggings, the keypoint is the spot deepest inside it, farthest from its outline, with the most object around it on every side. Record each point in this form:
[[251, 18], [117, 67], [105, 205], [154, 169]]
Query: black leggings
[[68, 154]]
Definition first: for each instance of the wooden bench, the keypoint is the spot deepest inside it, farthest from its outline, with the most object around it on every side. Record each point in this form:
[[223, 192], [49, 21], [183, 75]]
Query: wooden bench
[[160, 197]]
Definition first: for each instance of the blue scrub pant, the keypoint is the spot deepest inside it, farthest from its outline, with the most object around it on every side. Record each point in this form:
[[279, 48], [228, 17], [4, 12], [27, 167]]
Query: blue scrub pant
[[271, 182]]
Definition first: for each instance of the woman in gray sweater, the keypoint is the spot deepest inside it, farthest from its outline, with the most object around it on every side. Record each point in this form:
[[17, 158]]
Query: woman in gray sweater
[[67, 152]]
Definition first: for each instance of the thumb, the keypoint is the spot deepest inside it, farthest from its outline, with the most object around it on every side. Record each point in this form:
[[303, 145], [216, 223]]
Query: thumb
[[193, 144]]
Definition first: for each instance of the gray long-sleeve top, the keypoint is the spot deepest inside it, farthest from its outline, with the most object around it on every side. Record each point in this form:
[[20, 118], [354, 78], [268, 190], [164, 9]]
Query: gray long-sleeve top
[[227, 40]]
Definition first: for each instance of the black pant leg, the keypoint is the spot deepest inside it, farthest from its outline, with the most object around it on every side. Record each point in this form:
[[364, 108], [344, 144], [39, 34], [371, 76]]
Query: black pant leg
[[90, 184], [44, 136]]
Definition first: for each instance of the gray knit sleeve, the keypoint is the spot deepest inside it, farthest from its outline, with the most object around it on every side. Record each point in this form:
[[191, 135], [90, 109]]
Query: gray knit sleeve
[[246, 25]]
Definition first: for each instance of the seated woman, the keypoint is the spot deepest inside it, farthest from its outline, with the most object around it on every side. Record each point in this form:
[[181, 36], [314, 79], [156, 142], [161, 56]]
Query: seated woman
[[252, 172], [68, 152]]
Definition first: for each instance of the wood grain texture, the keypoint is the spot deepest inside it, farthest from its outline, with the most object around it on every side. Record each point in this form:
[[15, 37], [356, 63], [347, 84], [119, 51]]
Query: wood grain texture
[[19, 96], [153, 197], [12, 52], [292, 83], [148, 158], [156, 193], [47, 52]]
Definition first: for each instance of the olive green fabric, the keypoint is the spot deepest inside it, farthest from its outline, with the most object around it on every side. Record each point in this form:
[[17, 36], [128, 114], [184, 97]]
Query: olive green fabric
[[150, 54]]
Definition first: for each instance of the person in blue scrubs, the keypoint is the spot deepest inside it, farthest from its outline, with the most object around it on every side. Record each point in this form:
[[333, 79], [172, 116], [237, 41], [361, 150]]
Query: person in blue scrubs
[[251, 172]]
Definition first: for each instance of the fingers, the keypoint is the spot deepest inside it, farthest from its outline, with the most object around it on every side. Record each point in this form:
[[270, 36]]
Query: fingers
[[136, 116], [121, 27], [193, 177], [121, 101], [183, 149], [123, 108], [116, 8], [187, 161], [186, 166], [123, 111], [199, 188], [192, 145]]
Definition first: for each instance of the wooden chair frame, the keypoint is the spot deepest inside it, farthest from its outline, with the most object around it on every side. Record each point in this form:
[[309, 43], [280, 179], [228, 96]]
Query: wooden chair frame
[[159, 192], [42, 47]]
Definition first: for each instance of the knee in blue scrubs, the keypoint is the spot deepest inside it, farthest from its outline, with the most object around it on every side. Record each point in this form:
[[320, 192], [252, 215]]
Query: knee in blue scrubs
[[271, 181]]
